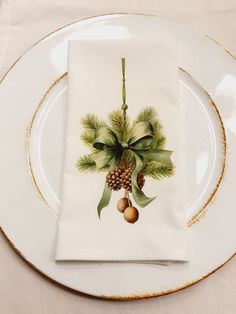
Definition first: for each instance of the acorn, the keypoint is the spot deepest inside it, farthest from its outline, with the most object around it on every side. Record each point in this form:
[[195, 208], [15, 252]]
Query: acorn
[[131, 214], [123, 203]]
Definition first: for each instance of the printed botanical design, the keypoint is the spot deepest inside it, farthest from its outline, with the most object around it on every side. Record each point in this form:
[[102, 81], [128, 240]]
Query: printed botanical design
[[128, 151]]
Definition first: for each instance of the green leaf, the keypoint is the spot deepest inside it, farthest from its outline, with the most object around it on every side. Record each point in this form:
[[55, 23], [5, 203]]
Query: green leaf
[[157, 170], [119, 124], [86, 164]]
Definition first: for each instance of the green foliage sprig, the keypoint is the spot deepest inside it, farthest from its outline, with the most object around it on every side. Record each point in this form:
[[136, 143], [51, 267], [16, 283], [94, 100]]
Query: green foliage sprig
[[122, 128]]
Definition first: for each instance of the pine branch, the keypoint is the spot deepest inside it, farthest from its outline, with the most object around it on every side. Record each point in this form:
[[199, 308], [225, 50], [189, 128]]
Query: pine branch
[[88, 137], [157, 170], [159, 139], [148, 114], [92, 122], [86, 164], [119, 124]]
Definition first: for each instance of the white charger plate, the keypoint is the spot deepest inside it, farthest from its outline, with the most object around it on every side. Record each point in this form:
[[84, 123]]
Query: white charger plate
[[33, 97]]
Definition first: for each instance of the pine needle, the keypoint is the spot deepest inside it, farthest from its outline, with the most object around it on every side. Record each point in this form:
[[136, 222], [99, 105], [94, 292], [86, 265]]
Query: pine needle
[[92, 122], [88, 137], [148, 114], [119, 124], [157, 170], [86, 164], [159, 139]]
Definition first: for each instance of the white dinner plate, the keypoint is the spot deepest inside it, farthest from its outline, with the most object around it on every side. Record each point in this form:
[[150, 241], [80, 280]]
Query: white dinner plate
[[33, 97]]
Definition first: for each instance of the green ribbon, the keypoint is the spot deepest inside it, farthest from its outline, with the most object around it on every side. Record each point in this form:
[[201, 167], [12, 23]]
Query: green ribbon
[[110, 152]]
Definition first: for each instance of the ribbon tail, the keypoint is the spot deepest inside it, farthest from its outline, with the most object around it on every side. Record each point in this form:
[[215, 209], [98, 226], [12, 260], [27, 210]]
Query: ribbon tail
[[105, 199], [140, 198]]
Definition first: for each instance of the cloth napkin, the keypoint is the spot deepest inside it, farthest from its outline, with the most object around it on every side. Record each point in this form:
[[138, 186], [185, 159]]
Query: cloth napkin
[[97, 175]]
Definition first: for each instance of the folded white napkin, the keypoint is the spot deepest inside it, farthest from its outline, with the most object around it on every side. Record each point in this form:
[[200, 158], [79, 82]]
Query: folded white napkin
[[120, 94]]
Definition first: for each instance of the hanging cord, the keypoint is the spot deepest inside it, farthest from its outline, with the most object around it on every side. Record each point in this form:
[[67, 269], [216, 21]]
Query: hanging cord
[[124, 106]]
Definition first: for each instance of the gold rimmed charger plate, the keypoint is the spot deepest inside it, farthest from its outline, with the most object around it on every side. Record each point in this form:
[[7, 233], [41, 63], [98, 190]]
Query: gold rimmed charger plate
[[31, 213]]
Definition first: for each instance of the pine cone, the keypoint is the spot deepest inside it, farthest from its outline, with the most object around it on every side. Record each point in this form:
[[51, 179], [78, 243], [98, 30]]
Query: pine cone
[[126, 179], [113, 178], [140, 180]]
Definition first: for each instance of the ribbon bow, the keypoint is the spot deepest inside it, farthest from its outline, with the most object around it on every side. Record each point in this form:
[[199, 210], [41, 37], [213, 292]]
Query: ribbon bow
[[111, 150]]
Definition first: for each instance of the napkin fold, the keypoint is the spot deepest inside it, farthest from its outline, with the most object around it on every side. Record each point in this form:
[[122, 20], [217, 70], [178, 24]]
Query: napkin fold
[[122, 190]]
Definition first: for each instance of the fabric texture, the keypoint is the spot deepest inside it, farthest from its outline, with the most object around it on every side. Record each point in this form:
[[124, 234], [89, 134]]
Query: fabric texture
[[27, 22], [95, 88]]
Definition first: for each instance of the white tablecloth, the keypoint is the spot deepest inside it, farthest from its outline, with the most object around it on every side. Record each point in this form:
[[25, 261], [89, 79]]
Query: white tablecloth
[[22, 23]]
